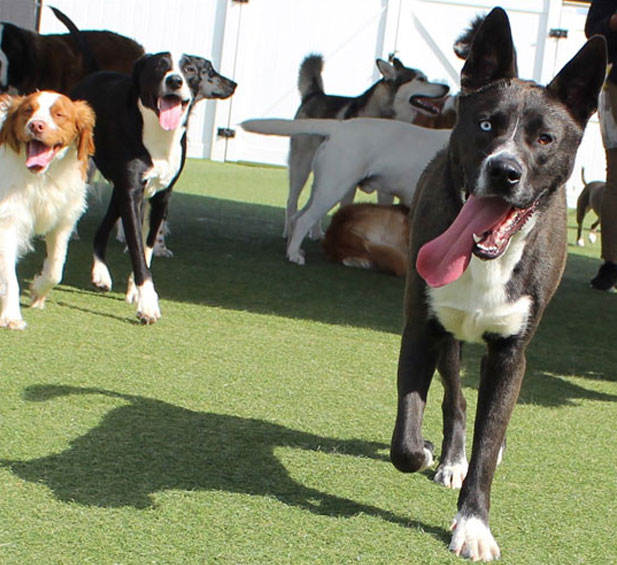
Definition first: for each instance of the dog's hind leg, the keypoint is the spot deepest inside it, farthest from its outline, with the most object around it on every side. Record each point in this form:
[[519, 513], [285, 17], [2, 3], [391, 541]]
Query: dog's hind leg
[[582, 207], [101, 278], [592, 231], [453, 461], [409, 452], [323, 198], [57, 242], [301, 151]]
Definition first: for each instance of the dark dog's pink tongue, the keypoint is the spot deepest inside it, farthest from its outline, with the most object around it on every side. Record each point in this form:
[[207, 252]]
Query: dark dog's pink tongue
[[38, 156], [170, 112], [445, 258]]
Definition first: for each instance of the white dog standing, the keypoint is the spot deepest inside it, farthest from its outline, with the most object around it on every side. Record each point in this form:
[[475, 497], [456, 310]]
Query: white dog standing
[[376, 154]]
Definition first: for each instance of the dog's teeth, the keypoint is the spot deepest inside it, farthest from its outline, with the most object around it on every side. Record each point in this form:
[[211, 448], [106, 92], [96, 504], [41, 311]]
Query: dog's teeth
[[476, 238]]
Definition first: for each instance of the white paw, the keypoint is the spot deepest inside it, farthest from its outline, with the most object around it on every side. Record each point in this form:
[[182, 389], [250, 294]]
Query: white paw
[[39, 289], [131, 296], [316, 233], [12, 323], [580, 242], [148, 311], [453, 475], [162, 251], [472, 539], [428, 459], [101, 278], [297, 258], [359, 262], [592, 237]]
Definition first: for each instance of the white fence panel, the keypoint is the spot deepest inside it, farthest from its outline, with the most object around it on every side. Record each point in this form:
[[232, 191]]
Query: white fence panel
[[261, 43], [271, 40]]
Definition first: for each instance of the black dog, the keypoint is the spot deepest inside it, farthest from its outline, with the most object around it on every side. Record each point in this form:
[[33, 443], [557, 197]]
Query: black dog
[[489, 237], [140, 139]]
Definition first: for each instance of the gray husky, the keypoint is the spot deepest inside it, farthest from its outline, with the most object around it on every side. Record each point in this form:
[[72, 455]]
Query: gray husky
[[401, 94]]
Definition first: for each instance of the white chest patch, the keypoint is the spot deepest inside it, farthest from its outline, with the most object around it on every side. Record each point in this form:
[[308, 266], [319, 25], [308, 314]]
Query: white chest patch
[[477, 302], [165, 151]]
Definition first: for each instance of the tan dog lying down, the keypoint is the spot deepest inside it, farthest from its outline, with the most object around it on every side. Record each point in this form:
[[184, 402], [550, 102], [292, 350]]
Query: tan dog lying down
[[370, 236]]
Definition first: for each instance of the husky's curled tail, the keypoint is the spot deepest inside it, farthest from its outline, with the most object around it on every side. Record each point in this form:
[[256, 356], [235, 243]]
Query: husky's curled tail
[[309, 76]]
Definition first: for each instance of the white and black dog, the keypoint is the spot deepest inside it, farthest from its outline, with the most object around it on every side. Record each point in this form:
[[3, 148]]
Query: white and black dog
[[488, 248], [140, 139], [401, 94]]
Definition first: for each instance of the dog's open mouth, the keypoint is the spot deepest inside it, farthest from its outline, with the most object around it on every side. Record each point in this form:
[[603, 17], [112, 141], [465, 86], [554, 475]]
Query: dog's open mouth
[[39, 155], [493, 242], [483, 227], [171, 109], [430, 104]]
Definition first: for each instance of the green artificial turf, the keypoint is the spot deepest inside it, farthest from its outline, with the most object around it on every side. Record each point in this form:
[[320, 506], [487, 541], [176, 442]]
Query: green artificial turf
[[251, 424]]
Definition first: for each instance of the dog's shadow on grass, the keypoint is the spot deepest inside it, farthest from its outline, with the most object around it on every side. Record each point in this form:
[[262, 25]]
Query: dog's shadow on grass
[[148, 446]]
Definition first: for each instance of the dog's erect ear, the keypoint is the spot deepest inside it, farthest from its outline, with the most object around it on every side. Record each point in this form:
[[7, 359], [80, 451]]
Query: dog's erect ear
[[397, 64], [386, 69], [492, 55], [578, 84]]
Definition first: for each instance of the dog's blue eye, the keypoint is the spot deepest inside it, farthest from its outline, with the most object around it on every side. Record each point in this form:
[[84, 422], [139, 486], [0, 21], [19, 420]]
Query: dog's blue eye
[[485, 125]]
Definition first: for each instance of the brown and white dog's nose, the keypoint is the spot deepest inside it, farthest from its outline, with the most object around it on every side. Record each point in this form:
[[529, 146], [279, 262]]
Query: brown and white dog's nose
[[174, 82], [504, 172], [37, 126]]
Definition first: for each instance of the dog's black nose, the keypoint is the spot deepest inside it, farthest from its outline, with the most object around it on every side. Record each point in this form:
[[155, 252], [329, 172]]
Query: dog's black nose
[[504, 172], [174, 82]]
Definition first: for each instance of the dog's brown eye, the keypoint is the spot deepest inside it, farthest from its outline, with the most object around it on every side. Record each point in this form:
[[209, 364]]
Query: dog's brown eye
[[545, 139]]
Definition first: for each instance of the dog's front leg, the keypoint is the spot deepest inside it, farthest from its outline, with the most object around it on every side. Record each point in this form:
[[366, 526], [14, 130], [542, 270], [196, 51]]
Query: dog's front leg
[[146, 297], [502, 374], [57, 242], [10, 315], [418, 358]]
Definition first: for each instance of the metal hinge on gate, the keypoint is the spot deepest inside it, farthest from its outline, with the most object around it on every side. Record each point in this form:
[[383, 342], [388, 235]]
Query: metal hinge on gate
[[558, 33], [226, 132]]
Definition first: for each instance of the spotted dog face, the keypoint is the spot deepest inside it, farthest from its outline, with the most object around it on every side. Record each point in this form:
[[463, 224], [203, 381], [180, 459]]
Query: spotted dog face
[[203, 80]]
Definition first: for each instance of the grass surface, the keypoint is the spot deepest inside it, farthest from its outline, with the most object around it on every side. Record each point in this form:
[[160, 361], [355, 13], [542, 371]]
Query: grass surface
[[251, 424]]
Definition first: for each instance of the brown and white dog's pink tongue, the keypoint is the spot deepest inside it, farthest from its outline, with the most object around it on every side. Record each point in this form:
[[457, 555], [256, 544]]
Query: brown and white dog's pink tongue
[[170, 112], [38, 156], [445, 258]]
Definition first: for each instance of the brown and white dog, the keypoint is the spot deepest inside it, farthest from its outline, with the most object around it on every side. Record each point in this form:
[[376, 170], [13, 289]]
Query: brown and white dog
[[589, 199], [45, 142], [369, 236]]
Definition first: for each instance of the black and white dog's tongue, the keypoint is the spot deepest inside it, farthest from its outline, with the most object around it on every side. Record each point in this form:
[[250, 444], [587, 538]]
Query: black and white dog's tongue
[[444, 259], [170, 112]]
